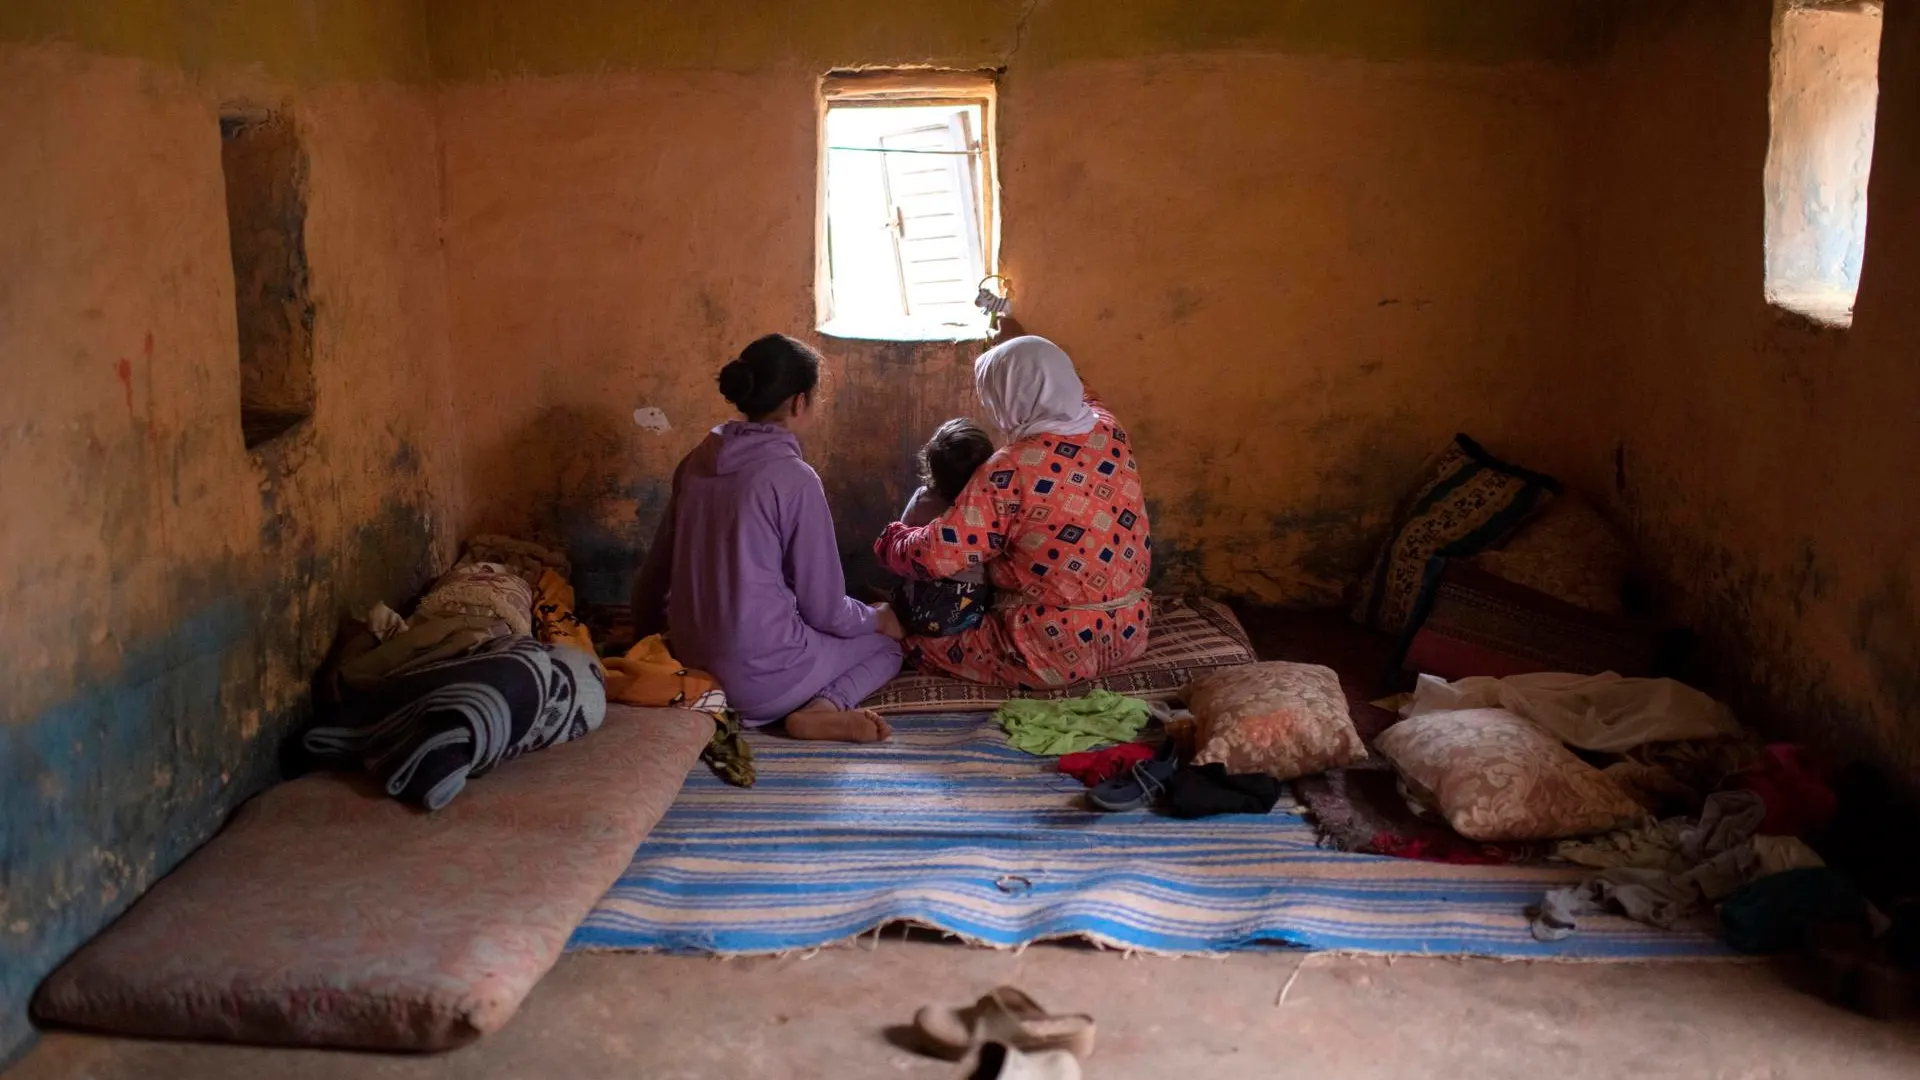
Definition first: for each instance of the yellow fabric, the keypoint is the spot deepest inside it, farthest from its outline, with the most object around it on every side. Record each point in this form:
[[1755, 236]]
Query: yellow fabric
[[649, 675], [553, 619]]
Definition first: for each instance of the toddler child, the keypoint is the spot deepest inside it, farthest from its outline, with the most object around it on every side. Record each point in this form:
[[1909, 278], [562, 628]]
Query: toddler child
[[958, 603]]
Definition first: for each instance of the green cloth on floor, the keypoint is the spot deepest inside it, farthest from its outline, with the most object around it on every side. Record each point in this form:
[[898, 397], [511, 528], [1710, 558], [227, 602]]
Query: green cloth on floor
[[1052, 728], [727, 752]]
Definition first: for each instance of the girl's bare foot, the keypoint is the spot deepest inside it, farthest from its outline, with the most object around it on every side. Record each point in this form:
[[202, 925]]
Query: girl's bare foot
[[820, 721]]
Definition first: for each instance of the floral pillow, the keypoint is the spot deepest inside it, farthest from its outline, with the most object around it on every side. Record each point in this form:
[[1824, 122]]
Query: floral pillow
[[1284, 720], [1497, 777]]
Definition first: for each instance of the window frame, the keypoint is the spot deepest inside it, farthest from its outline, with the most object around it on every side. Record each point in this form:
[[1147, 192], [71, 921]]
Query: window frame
[[1791, 164], [906, 89]]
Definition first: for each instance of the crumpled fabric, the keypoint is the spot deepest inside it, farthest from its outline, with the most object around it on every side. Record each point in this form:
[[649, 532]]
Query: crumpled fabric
[[1779, 854], [1717, 855], [554, 620], [1197, 791], [727, 752], [426, 641], [1092, 767], [1800, 802], [649, 676], [384, 623], [1602, 712], [1729, 819], [1653, 846], [1052, 728], [1655, 788]]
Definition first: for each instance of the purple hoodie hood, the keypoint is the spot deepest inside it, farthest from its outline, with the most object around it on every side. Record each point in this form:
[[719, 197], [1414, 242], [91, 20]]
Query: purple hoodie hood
[[739, 445]]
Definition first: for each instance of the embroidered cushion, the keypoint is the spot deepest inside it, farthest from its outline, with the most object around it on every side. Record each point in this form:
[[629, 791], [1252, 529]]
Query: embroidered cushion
[[1470, 501], [1284, 720], [1496, 777]]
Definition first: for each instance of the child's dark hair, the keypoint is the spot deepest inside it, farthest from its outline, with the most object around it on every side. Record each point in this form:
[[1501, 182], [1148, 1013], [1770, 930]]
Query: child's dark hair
[[768, 372], [949, 459]]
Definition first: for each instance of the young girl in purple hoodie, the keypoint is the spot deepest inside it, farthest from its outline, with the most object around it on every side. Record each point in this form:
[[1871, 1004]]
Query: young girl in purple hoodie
[[745, 572]]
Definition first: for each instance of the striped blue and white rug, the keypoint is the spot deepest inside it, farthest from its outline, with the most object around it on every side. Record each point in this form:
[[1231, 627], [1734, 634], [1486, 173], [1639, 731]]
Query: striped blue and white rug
[[948, 827]]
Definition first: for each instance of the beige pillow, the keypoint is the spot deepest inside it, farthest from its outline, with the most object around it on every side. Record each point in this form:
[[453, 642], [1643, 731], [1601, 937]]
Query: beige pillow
[[1284, 720], [1497, 777]]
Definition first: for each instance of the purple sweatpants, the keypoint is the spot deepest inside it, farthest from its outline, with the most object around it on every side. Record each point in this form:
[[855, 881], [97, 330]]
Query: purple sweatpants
[[845, 671]]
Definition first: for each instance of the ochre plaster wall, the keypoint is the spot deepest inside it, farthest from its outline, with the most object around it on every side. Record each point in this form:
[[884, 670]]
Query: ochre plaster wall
[[1296, 247], [164, 594], [1765, 463]]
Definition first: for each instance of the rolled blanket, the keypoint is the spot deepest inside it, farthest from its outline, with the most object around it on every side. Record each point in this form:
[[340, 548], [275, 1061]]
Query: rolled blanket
[[428, 731]]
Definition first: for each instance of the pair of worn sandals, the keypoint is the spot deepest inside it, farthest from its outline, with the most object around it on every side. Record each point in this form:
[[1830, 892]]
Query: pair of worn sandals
[[1006, 1035]]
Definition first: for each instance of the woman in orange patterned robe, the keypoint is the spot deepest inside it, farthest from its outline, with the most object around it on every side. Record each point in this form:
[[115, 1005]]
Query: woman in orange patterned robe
[[1058, 518]]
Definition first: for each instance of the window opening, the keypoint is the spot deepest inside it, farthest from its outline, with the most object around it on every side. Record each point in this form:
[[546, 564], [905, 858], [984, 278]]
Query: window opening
[[265, 170], [907, 219], [1826, 58]]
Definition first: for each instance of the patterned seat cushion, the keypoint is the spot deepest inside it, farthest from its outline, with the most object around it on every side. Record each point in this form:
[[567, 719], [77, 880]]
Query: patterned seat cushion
[[326, 914], [1496, 777], [1284, 720], [1189, 636]]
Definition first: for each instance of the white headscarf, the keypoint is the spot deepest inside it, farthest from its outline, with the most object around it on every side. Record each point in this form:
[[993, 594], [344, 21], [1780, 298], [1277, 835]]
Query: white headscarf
[[1028, 387]]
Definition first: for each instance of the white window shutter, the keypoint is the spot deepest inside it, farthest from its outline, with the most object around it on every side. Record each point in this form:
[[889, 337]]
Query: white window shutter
[[936, 234]]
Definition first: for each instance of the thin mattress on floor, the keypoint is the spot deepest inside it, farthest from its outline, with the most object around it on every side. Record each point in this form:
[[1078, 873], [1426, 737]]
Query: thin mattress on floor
[[327, 914], [946, 826]]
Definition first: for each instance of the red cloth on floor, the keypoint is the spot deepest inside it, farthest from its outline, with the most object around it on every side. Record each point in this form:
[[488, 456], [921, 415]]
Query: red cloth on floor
[[1463, 853], [1794, 787], [1091, 767]]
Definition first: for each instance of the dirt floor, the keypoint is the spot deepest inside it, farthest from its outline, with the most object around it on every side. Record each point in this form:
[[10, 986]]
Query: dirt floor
[[829, 1014], [835, 1013]]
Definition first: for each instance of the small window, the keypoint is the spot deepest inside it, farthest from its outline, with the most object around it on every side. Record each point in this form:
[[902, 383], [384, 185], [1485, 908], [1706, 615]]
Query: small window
[[266, 175], [908, 227], [1826, 86]]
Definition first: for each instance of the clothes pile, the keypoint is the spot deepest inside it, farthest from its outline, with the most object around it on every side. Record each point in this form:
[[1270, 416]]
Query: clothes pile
[[1669, 872], [1093, 738]]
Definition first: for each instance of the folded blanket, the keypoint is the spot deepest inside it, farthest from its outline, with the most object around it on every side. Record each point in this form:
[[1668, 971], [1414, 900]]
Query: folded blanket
[[427, 731]]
